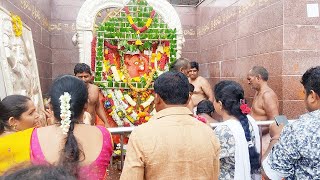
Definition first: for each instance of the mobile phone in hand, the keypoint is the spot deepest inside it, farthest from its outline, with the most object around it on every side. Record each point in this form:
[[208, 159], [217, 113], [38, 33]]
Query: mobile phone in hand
[[281, 119]]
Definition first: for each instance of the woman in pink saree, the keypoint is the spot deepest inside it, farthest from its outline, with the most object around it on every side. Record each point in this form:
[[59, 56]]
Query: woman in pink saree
[[83, 150]]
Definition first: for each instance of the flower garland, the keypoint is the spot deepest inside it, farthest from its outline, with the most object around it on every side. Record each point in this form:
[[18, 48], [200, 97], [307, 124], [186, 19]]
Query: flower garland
[[119, 108], [148, 102], [129, 100], [93, 53], [134, 26], [110, 46], [16, 24], [65, 113], [129, 80], [122, 112], [115, 73], [114, 113]]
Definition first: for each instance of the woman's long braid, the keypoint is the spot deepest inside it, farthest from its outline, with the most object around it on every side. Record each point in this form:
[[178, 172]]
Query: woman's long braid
[[230, 93], [68, 110], [71, 152]]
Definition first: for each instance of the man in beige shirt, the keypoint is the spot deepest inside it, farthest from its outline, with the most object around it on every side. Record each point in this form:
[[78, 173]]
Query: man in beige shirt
[[173, 144]]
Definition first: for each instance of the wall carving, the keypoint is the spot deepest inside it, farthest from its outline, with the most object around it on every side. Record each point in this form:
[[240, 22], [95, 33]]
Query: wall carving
[[189, 32], [35, 13], [228, 14], [63, 27], [18, 62]]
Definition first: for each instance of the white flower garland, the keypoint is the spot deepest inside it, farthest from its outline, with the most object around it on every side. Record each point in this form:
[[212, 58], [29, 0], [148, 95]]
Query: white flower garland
[[130, 100], [116, 118], [148, 101], [118, 94], [65, 113], [119, 105], [115, 73], [114, 114]]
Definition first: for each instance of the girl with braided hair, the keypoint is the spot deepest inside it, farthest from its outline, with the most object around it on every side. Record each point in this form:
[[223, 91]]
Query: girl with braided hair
[[238, 133]]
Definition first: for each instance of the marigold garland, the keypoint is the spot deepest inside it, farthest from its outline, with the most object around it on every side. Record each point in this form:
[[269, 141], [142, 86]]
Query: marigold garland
[[134, 26], [129, 79], [16, 24]]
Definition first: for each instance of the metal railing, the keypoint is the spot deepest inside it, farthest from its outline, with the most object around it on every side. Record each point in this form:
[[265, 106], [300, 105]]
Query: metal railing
[[127, 130]]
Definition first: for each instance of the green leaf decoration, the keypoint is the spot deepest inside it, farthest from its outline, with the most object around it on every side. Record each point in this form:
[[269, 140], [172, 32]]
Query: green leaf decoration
[[140, 48], [147, 45], [123, 43], [132, 48], [118, 32]]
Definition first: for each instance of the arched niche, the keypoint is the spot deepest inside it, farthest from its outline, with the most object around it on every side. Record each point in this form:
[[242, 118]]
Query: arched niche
[[86, 20]]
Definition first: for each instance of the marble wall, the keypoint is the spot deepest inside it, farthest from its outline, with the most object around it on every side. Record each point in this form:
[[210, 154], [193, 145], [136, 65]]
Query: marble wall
[[63, 18], [301, 50], [36, 14], [188, 17], [235, 35]]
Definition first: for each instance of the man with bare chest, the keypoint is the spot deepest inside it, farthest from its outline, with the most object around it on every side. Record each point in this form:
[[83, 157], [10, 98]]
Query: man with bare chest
[[83, 72], [202, 88], [183, 65], [265, 105]]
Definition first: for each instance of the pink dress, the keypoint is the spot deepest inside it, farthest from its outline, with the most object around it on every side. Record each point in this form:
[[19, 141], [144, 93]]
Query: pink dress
[[93, 171]]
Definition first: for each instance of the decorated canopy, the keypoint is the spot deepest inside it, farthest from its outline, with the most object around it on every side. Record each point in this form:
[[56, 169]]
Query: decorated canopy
[[130, 47]]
